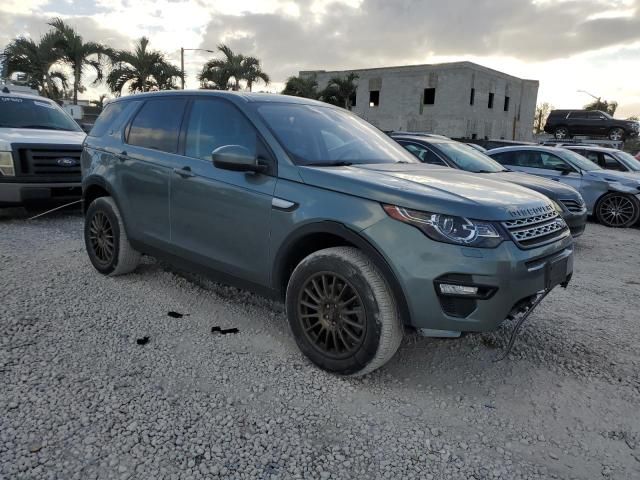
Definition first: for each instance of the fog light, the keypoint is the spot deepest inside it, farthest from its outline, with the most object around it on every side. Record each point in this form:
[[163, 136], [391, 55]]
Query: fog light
[[449, 289]]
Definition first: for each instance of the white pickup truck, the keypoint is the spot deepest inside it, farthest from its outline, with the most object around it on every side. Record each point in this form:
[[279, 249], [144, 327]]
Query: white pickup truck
[[40, 148]]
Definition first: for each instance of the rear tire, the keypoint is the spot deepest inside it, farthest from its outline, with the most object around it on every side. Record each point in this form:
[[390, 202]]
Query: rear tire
[[618, 210], [562, 133], [106, 239], [342, 313], [616, 134]]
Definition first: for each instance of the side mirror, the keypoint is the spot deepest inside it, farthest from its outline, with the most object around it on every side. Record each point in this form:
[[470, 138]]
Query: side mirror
[[236, 158]]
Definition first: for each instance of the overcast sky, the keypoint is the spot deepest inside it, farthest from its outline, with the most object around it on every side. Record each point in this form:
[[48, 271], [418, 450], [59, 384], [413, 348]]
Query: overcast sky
[[568, 45]]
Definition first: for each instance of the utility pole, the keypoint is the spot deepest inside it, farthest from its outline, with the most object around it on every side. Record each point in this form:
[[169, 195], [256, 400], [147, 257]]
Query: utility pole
[[182, 66], [182, 50]]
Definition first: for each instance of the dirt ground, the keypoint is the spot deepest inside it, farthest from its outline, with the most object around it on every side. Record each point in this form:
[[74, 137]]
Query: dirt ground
[[80, 398]]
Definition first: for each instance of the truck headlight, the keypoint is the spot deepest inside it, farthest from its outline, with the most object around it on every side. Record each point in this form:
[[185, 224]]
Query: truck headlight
[[449, 229], [6, 164]]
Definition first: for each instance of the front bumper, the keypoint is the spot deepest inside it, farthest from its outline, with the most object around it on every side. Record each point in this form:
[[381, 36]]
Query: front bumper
[[507, 274], [16, 194], [576, 221]]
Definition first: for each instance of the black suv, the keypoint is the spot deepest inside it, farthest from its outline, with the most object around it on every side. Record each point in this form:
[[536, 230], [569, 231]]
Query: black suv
[[567, 123]]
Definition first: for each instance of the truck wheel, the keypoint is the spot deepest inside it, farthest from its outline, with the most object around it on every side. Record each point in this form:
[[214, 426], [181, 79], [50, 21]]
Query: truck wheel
[[616, 134], [618, 210], [342, 313], [106, 239], [561, 133]]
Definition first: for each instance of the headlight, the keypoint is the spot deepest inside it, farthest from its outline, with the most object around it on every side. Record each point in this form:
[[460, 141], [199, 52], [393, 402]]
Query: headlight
[[449, 229], [6, 164], [556, 206]]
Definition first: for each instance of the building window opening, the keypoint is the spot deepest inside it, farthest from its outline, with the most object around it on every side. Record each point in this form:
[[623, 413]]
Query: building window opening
[[491, 95], [374, 98], [429, 96], [506, 104], [472, 99]]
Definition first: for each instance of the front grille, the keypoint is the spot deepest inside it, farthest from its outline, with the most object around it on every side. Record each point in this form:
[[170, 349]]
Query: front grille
[[574, 206], [48, 161], [537, 230]]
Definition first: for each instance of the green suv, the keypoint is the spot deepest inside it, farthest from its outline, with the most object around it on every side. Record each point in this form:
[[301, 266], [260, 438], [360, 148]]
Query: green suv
[[304, 201]]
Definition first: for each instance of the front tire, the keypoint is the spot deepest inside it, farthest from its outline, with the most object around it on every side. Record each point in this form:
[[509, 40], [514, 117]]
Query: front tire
[[618, 210], [342, 313], [616, 134], [106, 240]]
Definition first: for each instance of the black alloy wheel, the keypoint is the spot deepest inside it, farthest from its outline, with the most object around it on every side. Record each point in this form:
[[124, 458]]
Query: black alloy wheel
[[619, 211], [332, 315], [101, 238]]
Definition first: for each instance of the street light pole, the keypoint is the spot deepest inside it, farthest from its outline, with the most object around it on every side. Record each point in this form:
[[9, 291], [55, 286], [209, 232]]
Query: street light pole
[[182, 50], [591, 95]]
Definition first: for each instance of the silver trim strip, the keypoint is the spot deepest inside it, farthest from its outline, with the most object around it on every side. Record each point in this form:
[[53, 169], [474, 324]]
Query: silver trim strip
[[281, 203]]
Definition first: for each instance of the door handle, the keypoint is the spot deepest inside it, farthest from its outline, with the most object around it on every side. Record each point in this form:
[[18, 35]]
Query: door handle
[[555, 179], [184, 172]]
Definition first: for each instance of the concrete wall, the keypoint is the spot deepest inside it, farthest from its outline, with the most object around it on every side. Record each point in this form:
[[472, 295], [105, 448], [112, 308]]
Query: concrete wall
[[401, 100]]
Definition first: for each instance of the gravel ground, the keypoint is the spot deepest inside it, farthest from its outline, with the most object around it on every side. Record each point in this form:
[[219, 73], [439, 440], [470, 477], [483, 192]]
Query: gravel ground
[[80, 399]]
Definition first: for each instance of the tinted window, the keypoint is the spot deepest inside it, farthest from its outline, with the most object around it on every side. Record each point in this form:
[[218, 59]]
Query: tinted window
[[577, 160], [632, 163], [16, 112], [593, 156], [214, 124], [530, 159], [157, 125], [578, 115], [424, 154], [595, 116], [106, 118], [314, 134]]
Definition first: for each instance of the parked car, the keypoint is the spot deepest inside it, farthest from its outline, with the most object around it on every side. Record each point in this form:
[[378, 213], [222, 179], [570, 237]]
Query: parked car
[[613, 197], [479, 148], [450, 153], [40, 149], [608, 158], [310, 203], [567, 123]]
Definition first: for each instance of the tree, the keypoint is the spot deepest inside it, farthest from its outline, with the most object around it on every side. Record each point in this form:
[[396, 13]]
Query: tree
[[634, 118], [80, 56], [141, 70], [306, 87], [542, 112], [603, 106], [218, 72], [37, 60], [101, 100], [252, 72], [340, 91]]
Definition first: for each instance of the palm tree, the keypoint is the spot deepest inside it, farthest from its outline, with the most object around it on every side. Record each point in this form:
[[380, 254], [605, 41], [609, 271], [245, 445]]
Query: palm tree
[[37, 60], [301, 87], [80, 56], [212, 78], [238, 67], [141, 70], [252, 72], [341, 90]]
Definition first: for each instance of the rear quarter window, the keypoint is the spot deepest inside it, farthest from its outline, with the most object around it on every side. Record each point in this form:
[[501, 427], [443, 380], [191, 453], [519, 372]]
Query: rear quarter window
[[112, 118]]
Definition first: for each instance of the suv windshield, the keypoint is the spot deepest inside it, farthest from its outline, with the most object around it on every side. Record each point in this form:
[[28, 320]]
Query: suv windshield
[[578, 160], [468, 158], [325, 136], [18, 112]]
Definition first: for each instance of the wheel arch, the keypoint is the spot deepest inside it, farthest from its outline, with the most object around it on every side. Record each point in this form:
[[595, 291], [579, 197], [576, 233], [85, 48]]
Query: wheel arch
[[325, 234], [94, 187]]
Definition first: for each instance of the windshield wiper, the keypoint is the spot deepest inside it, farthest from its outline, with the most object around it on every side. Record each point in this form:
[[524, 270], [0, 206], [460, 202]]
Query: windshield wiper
[[337, 163]]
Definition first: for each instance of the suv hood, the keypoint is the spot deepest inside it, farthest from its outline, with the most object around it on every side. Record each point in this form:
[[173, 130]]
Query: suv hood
[[549, 188], [35, 136], [432, 189]]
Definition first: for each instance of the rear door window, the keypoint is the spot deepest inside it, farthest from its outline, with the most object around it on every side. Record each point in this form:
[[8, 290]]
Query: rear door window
[[112, 118], [157, 125], [611, 163]]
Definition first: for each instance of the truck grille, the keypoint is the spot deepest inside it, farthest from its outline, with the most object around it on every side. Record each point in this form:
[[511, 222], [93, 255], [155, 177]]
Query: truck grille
[[49, 161], [574, 206], [536, 230]]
